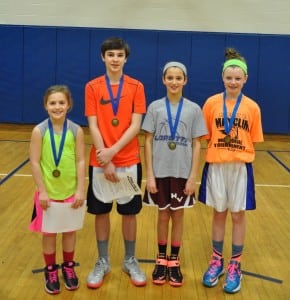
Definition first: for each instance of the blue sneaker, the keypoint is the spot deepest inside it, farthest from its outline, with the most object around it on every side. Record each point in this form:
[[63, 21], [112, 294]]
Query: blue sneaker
[[234, 276], [214, 271]]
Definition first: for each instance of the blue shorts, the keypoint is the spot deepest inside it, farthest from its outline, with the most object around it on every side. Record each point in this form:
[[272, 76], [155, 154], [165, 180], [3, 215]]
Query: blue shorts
[[98, 207]]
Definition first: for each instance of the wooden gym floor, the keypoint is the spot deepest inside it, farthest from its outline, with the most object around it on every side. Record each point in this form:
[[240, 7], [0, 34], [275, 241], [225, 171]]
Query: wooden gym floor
[[265, 262]]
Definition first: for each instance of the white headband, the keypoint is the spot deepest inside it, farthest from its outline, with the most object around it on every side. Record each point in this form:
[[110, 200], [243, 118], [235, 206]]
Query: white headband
[[175, 64]]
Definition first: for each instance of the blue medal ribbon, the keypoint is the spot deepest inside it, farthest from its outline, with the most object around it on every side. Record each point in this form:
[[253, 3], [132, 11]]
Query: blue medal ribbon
[[115, 101], [229, 124], [57, 157], [173, 127]]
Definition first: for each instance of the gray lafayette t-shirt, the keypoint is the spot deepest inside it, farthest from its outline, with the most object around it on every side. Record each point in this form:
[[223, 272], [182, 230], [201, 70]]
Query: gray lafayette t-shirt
[[173, 163]]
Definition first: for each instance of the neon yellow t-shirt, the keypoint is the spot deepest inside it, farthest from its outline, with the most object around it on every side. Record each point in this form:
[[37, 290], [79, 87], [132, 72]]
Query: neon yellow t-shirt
[[64, 186]]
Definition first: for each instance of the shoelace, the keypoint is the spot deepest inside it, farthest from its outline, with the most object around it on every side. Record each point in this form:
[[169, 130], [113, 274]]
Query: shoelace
[[69, 272], [174, 273], [232, 270], [134, 267], [160, 271], [100, 270], [52, 276], [214, 264]]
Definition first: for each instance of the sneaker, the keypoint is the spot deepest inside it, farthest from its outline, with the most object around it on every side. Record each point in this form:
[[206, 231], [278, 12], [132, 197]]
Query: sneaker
[[160, 271], [131, 267], [214, 271], [174, 273], [51, 279], [234, 276], [71, 281], [96, 277]]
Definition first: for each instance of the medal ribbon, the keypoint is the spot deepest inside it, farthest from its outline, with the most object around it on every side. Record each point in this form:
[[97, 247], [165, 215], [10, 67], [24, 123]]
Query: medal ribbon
[[115, 101], [173, 127], [57, 157], [229, 125]]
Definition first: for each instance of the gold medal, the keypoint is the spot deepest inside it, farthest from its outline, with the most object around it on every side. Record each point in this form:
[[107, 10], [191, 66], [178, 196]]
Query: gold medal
[[115, 122], [56, 173], [227, 139], [172, 145]]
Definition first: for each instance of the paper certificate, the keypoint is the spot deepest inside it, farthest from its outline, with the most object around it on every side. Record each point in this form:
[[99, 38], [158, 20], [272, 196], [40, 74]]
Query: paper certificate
[[108, 191], [61, 217]]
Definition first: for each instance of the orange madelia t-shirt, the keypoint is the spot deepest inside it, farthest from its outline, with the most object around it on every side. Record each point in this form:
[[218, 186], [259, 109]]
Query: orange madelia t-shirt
[[246, 130], [98, 103]]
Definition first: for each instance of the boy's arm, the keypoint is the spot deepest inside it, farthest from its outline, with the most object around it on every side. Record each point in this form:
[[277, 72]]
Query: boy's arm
[[95, 132], [129, 134], [150, 178], [105, 155]]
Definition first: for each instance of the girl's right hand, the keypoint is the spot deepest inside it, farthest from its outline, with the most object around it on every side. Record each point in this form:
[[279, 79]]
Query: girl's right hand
[[44, 200], [151, 185]]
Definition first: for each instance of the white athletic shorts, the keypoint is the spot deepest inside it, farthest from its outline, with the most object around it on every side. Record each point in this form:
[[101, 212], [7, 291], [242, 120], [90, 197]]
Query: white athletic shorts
[[228, 186], [123, 200]]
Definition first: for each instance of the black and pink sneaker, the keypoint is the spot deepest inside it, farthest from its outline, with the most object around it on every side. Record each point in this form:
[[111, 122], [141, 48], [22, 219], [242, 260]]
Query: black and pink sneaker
[[70, 279], [52, 285]]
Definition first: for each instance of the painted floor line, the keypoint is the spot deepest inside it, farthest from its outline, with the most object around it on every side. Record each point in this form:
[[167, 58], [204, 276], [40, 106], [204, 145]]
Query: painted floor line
[[143, 180], [243, 271], [13, 171], [268, 278], [35, 271], [263, 277], [279, 161]]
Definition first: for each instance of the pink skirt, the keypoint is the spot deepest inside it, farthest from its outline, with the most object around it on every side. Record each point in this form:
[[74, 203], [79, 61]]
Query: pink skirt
[[36, 220]]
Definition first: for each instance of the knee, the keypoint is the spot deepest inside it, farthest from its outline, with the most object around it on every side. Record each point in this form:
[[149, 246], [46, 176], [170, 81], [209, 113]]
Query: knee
[[238, 218]]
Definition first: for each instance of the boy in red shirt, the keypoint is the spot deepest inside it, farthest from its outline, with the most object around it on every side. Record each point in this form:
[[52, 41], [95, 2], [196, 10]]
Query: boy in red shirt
[[114, 104]]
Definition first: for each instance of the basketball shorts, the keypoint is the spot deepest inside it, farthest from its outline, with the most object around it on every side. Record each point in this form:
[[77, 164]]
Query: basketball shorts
[[228, 186], [125, 206], [170, 194]]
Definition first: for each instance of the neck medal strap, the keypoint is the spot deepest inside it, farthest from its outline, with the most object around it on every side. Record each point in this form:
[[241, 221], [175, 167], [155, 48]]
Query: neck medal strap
[[173, 127], [57, 157], [115, 101], [229, 122]]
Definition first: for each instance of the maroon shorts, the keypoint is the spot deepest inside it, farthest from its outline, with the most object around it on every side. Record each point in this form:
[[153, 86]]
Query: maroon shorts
[[170, 194]]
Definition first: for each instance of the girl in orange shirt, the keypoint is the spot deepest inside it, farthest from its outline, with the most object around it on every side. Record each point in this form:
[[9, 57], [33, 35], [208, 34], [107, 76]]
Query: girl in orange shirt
[[234, 125]]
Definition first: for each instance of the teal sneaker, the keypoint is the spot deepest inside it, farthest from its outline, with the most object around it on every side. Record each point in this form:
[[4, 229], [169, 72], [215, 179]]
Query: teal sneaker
[[214, 271], [233, 278]]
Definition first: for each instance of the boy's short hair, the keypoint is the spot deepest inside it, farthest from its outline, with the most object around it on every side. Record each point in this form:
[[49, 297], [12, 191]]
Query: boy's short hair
[[115, 43]]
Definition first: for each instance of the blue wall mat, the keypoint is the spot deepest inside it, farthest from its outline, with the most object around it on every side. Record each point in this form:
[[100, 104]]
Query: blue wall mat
[[73, 66], [206, 61], [172, 46], [39, 60], [34, 57], [11, 74], [274, 80], [142, 62], [249, 47]]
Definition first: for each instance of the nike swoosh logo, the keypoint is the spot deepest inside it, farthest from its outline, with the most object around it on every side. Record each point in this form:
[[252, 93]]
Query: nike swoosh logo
[[105, 101]]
